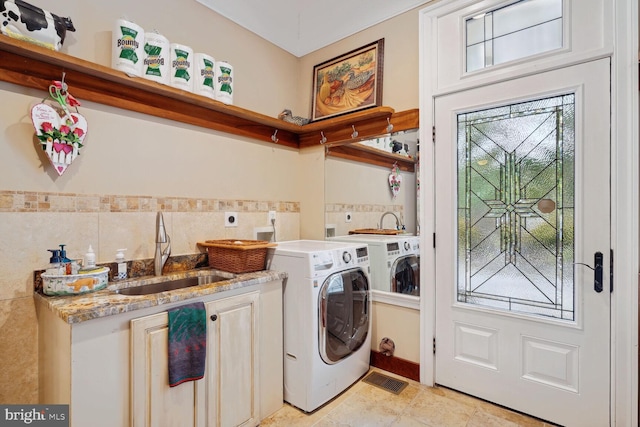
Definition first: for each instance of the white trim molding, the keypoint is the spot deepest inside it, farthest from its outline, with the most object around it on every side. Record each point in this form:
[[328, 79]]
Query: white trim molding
[[625, 215], [616, 38]]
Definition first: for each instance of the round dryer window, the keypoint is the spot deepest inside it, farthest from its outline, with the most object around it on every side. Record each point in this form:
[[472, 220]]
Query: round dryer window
[[343, 314]]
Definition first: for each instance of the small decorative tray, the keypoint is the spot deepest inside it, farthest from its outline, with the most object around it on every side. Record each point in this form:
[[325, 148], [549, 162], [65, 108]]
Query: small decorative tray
[[385, 231], [75, 284]]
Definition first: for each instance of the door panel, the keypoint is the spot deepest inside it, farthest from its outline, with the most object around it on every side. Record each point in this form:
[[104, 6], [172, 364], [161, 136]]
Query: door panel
[[516, 206], [232, 361], [522, 195], [153, 402]]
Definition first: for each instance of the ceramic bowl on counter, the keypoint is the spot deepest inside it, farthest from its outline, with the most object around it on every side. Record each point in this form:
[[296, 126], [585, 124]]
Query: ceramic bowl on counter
[[75, 284]]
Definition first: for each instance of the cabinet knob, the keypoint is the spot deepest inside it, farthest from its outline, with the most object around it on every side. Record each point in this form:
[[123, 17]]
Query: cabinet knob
[[214, 317]]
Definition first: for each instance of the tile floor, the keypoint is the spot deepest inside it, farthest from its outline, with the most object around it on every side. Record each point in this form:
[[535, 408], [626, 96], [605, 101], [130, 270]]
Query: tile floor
[[364, 405]]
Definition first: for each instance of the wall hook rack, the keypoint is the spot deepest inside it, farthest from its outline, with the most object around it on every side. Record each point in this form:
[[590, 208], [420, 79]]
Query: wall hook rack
[[274, 138], [126, 93], [354, 134], [323, 138]]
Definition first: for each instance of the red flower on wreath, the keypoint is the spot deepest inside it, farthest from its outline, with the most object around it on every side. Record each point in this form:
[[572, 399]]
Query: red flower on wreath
[[48, 133], [71, 101], [47, 127]]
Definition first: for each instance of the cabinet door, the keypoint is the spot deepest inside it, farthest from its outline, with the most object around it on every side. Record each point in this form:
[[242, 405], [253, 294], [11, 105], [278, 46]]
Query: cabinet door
[[232, 361], [154, 403]]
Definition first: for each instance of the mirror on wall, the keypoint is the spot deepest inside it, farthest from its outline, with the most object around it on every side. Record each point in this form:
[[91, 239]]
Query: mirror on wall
[[358, 193], [361, 206]]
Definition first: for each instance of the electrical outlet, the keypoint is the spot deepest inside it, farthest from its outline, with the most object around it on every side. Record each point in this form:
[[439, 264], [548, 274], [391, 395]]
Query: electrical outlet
[[272, 216], [231, 219], [347, 217]]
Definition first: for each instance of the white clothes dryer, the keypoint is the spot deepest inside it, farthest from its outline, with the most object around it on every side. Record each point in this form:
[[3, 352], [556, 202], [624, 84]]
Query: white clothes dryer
[[395, 261], [327, 320]]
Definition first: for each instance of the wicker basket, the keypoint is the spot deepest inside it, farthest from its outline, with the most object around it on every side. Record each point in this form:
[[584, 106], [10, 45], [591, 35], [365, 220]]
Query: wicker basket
[[237, 256]]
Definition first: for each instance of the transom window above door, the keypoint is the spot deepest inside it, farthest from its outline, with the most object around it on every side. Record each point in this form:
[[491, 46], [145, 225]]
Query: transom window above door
[[515, 31]]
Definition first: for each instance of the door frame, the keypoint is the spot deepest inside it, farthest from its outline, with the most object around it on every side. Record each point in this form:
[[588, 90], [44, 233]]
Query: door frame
[[621, 34]]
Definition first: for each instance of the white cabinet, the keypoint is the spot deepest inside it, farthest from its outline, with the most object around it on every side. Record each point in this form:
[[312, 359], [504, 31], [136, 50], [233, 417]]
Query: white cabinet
[[89, 365], [232, 363], [153, 402], [226, 396]]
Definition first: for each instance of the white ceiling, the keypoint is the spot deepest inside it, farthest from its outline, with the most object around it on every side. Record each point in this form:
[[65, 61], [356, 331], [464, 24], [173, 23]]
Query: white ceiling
[[302, 26]]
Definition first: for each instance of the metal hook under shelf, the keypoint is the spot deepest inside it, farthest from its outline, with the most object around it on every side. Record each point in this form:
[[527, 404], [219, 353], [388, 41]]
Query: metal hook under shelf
[[274, 138], [389, 125], [323, 138], [355, 132]]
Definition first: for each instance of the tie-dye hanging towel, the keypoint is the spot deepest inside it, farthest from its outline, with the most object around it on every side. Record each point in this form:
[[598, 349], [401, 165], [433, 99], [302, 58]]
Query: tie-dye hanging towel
[[187, 343]]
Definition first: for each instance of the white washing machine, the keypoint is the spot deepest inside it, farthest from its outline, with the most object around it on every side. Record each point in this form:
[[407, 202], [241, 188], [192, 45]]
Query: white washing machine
[[395, 261], [327, 321]]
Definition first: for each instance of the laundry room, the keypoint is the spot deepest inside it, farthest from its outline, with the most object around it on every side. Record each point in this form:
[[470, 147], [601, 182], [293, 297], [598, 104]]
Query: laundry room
[[309, 146], [136, 162]]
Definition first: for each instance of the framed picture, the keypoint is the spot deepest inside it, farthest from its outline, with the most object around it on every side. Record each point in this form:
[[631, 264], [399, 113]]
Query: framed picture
[[348, 83]]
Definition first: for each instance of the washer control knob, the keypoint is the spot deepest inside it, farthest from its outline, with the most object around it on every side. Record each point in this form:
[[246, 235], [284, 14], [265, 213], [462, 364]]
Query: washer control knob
[[346, 257], [407, 246]]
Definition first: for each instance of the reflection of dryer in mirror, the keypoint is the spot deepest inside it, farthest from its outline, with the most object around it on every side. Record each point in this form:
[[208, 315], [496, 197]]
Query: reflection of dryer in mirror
[[395, 261]]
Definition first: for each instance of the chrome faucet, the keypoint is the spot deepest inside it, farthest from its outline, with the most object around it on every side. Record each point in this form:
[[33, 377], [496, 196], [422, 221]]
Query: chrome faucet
[[398, 226], [161, 237]]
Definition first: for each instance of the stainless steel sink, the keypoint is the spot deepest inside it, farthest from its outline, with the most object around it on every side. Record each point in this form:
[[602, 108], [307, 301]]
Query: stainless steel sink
[[170, 285]]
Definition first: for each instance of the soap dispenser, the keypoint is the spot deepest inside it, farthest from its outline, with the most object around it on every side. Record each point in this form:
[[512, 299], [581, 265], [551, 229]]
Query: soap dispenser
[[64, 261], [89, 258], [55, 264], [122, 265]]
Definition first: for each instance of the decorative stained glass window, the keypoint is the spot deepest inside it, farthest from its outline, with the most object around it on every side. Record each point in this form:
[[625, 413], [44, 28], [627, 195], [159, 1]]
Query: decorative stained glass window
[[516, 207], [518, 30]]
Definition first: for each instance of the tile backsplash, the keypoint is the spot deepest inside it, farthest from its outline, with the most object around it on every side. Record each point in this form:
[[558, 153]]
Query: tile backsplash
[[361, 216], [32, 222], [25, 201]]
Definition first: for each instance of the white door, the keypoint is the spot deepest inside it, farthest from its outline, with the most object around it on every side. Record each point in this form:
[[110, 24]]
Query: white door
[[232, 361], [522, 197], [153, 402]]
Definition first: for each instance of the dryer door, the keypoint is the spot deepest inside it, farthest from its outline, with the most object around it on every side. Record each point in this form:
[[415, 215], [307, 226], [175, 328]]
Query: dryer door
[[343, 310], [405, 275]]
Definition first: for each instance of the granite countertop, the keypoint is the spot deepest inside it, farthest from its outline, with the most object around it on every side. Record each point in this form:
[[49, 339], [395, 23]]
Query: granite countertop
[[107, 302]]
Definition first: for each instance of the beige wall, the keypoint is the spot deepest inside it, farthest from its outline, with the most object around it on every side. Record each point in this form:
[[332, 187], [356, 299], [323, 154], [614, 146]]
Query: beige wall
[[402, 325], [258, 65], [133, 165], [400, 77], [400, 90]]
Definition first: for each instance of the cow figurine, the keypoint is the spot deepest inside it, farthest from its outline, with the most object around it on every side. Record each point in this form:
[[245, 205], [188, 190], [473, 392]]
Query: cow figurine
[[399, 148], [24, 21]]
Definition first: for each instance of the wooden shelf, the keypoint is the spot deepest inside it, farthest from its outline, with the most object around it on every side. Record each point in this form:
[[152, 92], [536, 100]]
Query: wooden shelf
[[374, 156], [33, 66], [368, 123]]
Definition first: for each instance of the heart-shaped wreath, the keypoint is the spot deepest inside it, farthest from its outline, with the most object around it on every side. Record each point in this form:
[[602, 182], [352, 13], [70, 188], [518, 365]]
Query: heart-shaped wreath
[[395, 179], [60, 131]]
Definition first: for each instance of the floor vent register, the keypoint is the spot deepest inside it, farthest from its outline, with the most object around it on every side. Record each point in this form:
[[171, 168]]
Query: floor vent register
[[385, 382]]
